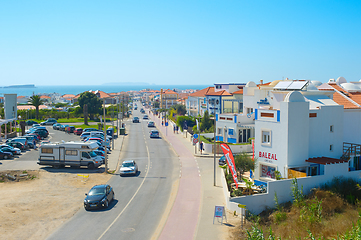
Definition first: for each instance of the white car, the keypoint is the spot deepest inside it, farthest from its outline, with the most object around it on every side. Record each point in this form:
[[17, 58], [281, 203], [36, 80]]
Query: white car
[[128, 167]]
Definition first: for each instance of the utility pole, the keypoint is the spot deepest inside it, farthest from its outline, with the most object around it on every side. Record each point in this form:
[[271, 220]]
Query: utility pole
[[214, 149]]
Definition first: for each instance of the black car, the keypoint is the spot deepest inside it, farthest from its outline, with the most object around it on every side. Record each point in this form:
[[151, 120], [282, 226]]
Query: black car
[[5, 155], [135, 120], [30, 122], [99, 196], [70, 129], [43, 133], [17, 145]]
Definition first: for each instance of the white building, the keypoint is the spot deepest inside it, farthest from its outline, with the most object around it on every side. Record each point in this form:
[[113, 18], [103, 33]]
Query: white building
[[301, 128]]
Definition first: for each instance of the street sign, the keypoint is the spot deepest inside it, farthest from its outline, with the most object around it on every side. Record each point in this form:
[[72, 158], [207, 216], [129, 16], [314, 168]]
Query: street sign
[[166, 124], [195, 140], [219, 212], [195, 135]]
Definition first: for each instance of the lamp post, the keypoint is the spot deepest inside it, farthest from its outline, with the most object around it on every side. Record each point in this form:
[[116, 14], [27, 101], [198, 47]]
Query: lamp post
[[214, 141]]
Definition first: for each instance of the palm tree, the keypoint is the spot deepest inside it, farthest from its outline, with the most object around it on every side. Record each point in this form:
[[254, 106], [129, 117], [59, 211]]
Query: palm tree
[[36, 101]]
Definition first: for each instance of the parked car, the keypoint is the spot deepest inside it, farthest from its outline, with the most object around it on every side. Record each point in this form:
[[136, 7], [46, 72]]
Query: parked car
[[37, 136], [135, 119], [70, 129], [90, 130], [128, 167], [30, 122], [31, 139], [63, 127], [16, 145], [50, 121], [151, 124], [5, 155], [36, 125], [22, 140], [78, 131], [99, 196], [84, 135], [57, 126], [7, 148], [42, 132], [145, 116], [154, 134], [222, 161]]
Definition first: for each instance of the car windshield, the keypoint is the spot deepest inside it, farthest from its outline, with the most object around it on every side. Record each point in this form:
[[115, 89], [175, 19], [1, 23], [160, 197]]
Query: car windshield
[[127, 164], [92, 154], [96, 191]]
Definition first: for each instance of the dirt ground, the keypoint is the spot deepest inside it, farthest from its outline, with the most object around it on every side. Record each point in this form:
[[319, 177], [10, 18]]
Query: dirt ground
[[38, 202]]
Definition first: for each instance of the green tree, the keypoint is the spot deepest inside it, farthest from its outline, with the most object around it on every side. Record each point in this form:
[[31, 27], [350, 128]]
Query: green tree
[[93, 103], [244, 163], [156, 104], [180, 109], [36, 101], [206, 122]]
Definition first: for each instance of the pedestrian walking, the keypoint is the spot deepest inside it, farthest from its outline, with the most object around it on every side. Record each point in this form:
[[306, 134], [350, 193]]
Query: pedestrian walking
[[162, 122], [201, 146], [34, 143], [174, 129]]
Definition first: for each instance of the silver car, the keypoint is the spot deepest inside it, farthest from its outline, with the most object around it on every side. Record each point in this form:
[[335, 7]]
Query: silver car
[[128, 167]]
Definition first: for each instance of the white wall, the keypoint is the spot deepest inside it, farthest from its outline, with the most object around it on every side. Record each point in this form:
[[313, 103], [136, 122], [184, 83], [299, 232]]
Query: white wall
[[320, 135], [352, 126], [259, 202]]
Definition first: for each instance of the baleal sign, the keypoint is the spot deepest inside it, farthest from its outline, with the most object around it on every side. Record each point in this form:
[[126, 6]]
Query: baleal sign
[[267, 155]]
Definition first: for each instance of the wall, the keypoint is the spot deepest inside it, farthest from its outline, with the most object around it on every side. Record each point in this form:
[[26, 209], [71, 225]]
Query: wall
[[352, 126], [259, 202]]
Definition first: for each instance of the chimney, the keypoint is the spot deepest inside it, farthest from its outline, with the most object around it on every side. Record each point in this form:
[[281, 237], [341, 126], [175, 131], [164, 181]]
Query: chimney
[[261, 81]]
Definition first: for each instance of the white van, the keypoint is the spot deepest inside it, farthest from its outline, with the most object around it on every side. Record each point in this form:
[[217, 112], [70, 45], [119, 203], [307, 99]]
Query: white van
[[69, 154]]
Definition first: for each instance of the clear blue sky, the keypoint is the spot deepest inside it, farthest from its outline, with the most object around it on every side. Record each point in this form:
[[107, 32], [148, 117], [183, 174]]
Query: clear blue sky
[[182, 42]]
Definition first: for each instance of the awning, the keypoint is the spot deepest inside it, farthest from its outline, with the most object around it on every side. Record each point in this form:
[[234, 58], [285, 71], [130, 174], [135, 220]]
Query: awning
[[250, 126], [325, 160]]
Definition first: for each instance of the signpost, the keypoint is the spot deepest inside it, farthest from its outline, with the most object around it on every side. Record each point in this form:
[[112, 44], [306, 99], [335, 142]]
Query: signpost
[[195, 140], [219, 212]]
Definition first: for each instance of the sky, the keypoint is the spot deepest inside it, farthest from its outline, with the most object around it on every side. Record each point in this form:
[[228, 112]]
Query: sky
[[199, 42]]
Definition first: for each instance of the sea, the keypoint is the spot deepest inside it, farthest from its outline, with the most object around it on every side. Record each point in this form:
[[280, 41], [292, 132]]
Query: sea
[[76, 89]]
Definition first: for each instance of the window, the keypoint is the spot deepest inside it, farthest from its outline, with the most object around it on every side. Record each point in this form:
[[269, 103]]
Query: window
[[71, 152], [230, 131], [266, 137], [249, 110], [219, 132], [331, 128], [46, 150], [331, 148]]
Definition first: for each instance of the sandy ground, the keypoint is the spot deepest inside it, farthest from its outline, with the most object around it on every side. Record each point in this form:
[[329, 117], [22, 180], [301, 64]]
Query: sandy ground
[[34, 208]]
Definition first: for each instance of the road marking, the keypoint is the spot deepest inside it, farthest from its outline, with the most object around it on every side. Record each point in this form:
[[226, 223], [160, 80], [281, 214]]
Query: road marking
[[145, 177]]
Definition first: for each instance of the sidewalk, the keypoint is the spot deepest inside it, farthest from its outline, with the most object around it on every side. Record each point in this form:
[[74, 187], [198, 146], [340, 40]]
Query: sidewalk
[[197, 183], [113, 158]]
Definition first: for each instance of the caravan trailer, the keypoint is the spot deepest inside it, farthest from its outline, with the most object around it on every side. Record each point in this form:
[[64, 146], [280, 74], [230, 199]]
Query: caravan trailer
[[75, 154]]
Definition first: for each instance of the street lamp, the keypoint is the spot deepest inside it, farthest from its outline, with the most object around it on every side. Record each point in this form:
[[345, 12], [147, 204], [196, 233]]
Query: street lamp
[[212, 101]]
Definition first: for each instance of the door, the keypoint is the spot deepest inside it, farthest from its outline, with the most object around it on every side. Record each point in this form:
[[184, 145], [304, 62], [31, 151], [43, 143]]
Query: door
[[61, 155]]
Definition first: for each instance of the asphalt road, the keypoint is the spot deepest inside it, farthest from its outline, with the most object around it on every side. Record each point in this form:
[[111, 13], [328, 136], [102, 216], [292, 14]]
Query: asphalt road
[[140, 201]]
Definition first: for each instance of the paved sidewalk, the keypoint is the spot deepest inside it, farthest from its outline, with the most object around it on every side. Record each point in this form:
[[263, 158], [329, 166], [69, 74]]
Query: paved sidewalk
[[113, 157], [193, 210]]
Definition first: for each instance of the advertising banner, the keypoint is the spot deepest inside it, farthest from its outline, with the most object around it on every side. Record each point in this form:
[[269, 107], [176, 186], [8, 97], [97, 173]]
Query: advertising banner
[[230, 161]]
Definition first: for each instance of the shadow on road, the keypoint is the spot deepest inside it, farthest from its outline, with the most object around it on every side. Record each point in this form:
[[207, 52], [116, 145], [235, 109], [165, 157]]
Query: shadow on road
[[72, 170]]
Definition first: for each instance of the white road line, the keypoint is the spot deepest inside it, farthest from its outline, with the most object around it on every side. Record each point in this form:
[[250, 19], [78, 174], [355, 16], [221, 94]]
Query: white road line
[[147, 170]]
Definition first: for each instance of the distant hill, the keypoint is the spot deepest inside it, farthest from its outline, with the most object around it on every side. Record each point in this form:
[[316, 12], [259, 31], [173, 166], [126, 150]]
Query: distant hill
[[20, 86], [126, 83]]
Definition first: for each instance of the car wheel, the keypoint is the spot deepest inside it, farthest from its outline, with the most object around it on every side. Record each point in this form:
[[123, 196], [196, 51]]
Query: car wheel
[[106, 204], [6, 156], [91, 166]]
